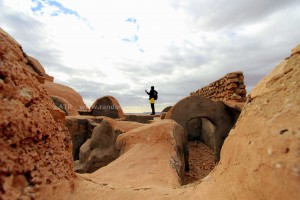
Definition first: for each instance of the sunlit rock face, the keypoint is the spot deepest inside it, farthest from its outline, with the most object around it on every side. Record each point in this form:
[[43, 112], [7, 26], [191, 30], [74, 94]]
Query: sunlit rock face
[[107, 106], [35, 146]]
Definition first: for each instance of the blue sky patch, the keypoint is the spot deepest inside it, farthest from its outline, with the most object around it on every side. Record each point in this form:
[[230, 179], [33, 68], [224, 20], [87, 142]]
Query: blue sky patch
[[40, 5], [131, 19], [133, 39]]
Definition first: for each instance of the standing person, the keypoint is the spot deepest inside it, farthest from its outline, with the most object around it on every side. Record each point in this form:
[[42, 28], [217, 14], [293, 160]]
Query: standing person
[[152, 97]]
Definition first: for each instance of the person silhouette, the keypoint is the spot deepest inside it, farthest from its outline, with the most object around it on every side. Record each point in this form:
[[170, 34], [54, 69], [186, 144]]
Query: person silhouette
[[152, 97]]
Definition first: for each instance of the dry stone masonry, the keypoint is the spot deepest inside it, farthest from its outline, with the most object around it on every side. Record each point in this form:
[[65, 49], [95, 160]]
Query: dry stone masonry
[[231, 87]]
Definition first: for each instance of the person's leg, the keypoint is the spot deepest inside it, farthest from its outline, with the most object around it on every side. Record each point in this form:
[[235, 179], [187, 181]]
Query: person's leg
[[153, 109]]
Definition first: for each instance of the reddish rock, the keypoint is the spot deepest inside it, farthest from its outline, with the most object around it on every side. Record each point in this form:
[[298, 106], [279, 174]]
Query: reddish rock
[[202, 162], [163, 115], [99, 135], [80, 129], [69, 94], [64, 105], [58, 115], [99, 150], [259, 159], [151, 156], [35, 66], [164, 112], [166, 109], [107, 106], [295, 50], [35, 146], [140, 118], [189, 113]]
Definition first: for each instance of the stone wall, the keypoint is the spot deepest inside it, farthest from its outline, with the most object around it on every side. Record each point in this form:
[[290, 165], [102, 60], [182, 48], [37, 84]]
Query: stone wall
[[231, 87]]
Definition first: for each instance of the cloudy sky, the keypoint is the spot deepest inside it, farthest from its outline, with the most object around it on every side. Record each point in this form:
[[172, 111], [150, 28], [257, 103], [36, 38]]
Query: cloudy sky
[[122, 47]]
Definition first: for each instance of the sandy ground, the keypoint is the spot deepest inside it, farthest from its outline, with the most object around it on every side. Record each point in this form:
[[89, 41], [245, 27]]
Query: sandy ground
[[201, 162]]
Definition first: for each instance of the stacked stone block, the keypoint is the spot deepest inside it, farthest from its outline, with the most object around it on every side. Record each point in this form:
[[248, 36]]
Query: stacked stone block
[[231, 87]]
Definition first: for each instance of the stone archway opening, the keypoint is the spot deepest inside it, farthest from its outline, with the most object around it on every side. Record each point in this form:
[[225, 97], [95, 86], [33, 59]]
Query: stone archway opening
[[201, 154]]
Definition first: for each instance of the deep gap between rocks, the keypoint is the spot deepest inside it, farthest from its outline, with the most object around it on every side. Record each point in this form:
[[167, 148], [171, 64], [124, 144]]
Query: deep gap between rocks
[[201, 161]]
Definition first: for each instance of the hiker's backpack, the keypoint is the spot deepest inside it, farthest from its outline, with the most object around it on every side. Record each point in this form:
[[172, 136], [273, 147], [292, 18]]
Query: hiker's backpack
[[155, 95]]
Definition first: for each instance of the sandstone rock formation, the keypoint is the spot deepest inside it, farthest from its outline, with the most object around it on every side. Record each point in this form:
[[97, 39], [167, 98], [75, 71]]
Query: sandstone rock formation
[[64, 105], [260, 157], [139, 118], [164, 112], [80, 129], [107, 106], [151, 156], [166, 109], [158, 133], [190, 112], [100, 150], [229, 88], [35, 147], [35, 66], [194, 129], [69, 94]]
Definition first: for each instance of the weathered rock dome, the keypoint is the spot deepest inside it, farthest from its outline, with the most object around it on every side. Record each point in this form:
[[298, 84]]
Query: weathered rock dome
[[68, 93], [107, 106]]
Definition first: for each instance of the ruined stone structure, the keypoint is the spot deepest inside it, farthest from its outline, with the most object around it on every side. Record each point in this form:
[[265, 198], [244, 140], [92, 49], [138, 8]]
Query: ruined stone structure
[[229, 88], [190, 112]]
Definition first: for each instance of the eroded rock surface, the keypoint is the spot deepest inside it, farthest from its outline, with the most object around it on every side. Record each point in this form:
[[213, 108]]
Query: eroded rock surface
[[96, 140], [259, 159], [139, 118], [107, 106], [35, 66], [189, 113], [164, 112], [68, 93], [99, 150], [150, 156], [35, 146], [80, 129], [64, 105]]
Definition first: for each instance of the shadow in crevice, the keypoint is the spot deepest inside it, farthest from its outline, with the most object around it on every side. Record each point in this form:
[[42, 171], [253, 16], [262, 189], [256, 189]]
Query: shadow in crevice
[[201, 162], [202, 129]]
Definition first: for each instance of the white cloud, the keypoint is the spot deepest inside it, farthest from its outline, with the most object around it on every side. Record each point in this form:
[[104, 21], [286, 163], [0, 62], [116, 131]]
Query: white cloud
[[178, 46]]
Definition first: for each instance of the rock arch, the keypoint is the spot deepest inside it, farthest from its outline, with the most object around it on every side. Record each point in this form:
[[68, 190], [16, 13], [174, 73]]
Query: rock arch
[[198, 107], [203, 129]]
